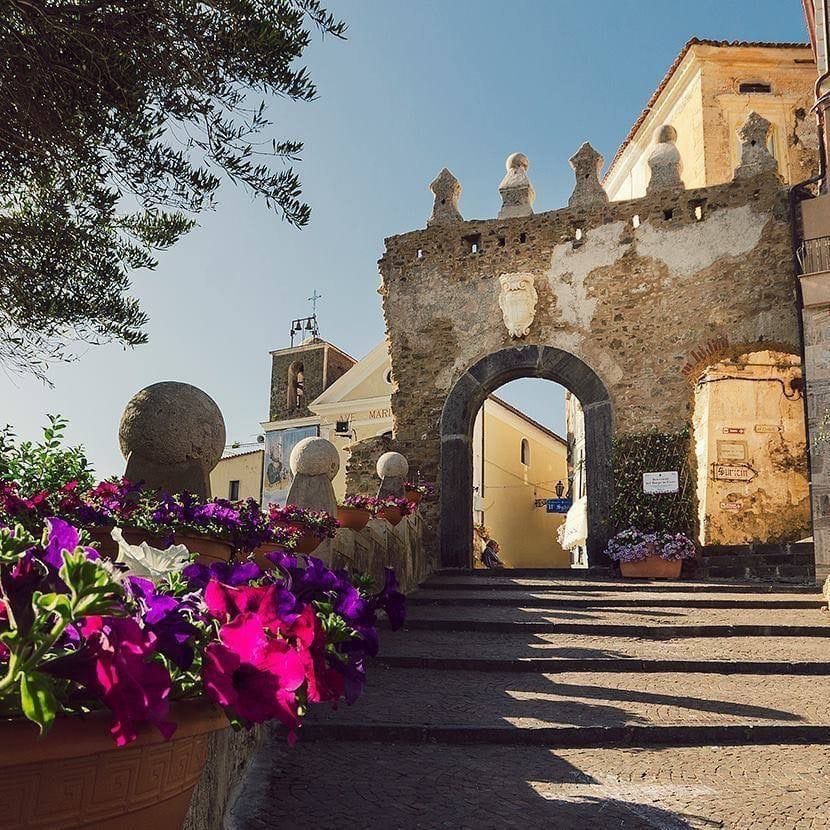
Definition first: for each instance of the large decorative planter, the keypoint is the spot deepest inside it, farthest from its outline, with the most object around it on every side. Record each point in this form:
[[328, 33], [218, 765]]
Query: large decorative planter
[[209, 549], [77, 778], [308, 543], [415, 496], [652, 567], [260, 555], [393, 515], [354, 518]]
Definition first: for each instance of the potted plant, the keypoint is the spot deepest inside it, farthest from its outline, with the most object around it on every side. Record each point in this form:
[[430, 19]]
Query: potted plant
[[132, 664], [313, 526], [355, 512], [393, 509], [417, 491], [657, 555]]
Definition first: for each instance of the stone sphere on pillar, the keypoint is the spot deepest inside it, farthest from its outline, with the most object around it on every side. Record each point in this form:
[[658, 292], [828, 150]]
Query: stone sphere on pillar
[[517, 161], [315, 457], [392, 465], [172, 423]]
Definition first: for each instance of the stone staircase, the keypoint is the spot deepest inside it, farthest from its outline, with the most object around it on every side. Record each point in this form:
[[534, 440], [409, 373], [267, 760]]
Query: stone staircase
[[546, 698]]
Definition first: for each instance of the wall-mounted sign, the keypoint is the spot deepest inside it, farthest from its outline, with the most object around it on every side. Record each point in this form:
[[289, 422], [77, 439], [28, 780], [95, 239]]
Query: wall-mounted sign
[[731, 450], [733, 430], [540, 502], [379, 414], [730, 505], [732, 472], [558, 505], [765, 428], [666, 481]]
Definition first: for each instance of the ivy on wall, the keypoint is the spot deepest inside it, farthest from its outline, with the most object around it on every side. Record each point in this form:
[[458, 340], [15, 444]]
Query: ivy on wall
[[650, 452]]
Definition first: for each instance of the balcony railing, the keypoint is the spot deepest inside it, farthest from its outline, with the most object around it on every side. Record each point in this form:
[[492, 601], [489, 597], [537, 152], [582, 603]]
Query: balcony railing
[[814, 255]]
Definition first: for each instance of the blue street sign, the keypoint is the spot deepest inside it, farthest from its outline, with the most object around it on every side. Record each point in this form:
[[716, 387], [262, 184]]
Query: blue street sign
[[558, 505]]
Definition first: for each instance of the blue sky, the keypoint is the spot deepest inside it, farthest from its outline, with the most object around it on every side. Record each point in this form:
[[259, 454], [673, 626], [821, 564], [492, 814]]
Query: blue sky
[[417, 86]]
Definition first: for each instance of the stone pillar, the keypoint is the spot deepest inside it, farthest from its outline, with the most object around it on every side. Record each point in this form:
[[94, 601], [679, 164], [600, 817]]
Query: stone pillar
[[815, 298], [392, 469], [516, 191], [447, 190], [314, 463], [755, 155], [172, 435], [665, 163], [588, 191]]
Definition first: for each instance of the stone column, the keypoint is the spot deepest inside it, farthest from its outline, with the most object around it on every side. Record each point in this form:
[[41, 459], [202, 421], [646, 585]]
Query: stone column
[[447, 190], [392, 469], [588, 191], [172, 435], [314, 463]]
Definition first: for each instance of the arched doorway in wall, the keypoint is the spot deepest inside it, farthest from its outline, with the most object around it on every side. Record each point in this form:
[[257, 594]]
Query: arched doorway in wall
[[464, 401], [529, 493]]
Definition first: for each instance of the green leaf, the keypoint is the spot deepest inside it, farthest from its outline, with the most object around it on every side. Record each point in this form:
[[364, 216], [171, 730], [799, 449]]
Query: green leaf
[[55, 603], [37, 699]]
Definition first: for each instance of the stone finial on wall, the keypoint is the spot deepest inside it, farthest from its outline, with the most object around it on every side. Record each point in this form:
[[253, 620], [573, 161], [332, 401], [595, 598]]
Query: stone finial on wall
[[664, 162], [172, 435], [314, 463], [392, 469], [517, 193], [755, 156], [447, 190], [586, 163]]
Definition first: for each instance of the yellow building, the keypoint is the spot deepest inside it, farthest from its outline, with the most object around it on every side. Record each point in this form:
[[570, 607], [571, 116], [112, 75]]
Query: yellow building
[[706, 96], [517, 464], [516, 468], [238, 475]]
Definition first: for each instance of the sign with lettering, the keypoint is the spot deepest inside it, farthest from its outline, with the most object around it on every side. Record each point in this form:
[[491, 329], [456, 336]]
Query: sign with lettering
[[765, 428], [666, 481], [731, 450], [732, 472], [540, 502], [730, 505], [558, 505], [377, 414], [733, 430]]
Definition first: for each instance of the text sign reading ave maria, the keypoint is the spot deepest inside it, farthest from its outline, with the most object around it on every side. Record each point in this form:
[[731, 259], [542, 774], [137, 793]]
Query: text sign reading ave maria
[[662, 482]]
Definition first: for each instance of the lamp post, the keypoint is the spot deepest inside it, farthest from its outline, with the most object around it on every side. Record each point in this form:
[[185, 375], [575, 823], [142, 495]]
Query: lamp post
[[559, 488]]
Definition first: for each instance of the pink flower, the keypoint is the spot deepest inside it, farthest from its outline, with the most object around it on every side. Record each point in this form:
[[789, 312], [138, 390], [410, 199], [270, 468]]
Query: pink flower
[[114, 666], [253, 673]]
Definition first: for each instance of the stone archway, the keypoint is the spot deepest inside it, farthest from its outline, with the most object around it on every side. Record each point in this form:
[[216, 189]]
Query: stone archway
[[463, 402]]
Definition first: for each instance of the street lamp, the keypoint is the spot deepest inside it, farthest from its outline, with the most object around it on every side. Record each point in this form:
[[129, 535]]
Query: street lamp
[[560, 488]]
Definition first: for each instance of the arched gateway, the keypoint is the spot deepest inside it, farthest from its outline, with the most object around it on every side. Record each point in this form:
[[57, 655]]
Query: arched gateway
[[463, 402], [625, 304]]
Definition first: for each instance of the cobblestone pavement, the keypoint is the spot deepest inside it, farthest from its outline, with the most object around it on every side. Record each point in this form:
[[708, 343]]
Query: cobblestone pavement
[[537, 644], [342, 785], [454, 774], [528, 700]]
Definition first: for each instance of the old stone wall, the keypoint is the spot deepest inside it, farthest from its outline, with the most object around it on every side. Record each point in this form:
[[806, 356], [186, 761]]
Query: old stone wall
[[640, 291]]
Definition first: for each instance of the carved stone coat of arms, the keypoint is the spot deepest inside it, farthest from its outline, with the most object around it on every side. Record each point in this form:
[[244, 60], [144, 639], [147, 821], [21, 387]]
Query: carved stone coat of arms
[[517, 301]]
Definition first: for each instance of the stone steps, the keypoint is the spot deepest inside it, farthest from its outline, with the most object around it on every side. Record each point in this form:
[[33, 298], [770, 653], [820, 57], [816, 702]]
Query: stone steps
[[557, 599]]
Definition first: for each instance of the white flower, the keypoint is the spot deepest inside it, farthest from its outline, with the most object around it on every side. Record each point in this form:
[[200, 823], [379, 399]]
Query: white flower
[[149, 562]]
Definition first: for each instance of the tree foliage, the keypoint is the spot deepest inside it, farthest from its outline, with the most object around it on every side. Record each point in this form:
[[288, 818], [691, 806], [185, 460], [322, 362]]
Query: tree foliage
[[120, 118]]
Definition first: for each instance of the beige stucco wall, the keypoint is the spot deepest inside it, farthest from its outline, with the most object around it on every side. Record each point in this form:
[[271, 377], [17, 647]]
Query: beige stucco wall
[[755, 425], [245, 468], [702, 102], [526, 533]]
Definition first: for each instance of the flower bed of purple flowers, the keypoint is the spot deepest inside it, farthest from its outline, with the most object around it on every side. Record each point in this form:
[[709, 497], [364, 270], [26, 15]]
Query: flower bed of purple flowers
[[632, 545], [78, 632], [126, 504]]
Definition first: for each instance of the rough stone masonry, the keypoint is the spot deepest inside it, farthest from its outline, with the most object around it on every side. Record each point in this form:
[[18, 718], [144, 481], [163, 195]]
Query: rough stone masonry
[[635, 290]]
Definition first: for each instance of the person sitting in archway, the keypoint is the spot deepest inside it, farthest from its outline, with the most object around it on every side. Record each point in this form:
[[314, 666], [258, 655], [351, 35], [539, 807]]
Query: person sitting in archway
[[490, 555]]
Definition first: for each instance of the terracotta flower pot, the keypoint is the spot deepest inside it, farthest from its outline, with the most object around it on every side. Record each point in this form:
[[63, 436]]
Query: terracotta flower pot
[[354, 518], [77, 778], [652, 567], [393, 515], [308, 543], [261, 558], [415, 496], [209, 549]]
